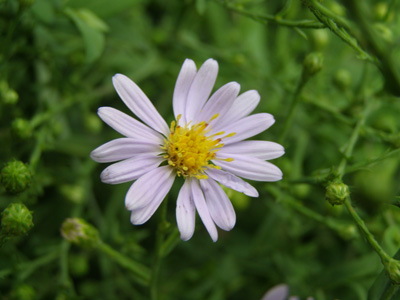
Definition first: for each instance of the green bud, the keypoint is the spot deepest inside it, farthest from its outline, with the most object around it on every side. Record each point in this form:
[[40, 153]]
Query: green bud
[[392, 268], [312, 64], [320, 38], [7, 95], [342, 79], [380, 10], [16, 220], [22, 128], [74, 193], [348, 231], [10, 97], [23, 292], [336, 193], [93, 123], [384, 32], [16, 177], [79, 232]]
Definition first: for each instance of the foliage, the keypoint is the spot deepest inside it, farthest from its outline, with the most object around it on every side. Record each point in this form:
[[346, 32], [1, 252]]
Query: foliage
[[338, 118]]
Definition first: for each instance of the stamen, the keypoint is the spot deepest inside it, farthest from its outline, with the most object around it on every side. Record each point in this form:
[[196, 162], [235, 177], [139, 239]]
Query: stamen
[[189, 150]]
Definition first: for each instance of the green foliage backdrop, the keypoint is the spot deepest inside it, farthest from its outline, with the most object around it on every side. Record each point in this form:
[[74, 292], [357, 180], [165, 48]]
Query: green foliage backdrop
[[337, 115]]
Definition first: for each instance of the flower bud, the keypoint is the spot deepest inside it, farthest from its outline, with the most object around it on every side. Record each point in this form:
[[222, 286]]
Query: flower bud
[[392, 268], [7, 95], [312, 64], [342, 79], [93, 123], [336, 193], [16, 220], [23, 292], [16, 177], [22, 128], [79, 232]]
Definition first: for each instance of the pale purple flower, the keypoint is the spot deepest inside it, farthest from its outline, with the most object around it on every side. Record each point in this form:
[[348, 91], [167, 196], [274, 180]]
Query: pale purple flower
[[205, 145]]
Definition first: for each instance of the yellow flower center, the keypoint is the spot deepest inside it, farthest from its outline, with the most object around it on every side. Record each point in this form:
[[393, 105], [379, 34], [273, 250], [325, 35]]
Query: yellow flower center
[[189, 150]]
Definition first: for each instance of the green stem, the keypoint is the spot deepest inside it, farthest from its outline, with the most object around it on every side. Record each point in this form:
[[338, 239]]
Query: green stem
[[296, 96], [385, 258], [266, 18], [141, 271], [390, 292], [159, 251], [340, 32], [299, 207], [348, 151]]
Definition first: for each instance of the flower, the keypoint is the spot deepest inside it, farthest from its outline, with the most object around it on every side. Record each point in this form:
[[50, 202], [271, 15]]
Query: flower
[[205, 145]]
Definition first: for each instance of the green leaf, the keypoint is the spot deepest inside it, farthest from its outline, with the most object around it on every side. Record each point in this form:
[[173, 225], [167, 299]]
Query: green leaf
[[91, 28]]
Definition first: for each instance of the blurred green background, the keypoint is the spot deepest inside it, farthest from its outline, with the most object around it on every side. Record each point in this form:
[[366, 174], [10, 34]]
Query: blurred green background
[[56, 63]]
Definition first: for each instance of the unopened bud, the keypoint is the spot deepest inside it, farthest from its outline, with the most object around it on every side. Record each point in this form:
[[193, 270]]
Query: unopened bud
[[336, 193], [7, 95], [79, 232], [16, 177], [16, 220], [392, 268], [93, 123], [312, 64], [342, 79], [23, 292], [22, 128]]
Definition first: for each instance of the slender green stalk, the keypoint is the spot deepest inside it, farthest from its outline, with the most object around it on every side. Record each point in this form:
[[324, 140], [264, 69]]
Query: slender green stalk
[[341, 229], [390, 292], [141, 272], [340, 32], [348, 151], [159, 251], [266, 18], [295, 99], [365, 231]]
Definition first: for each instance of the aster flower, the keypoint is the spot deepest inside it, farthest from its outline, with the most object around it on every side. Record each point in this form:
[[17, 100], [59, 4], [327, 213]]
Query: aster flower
[[205, 145]]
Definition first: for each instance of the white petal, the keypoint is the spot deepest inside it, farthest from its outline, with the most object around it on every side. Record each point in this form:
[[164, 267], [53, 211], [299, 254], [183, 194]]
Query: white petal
[[130, 169], [261, 149], [247, 127], [185, 212], [139, 104], [182, 86], [142, 215], [233, 182], [241, 107], [219, 205], [201, 88], [122, 148], [251, 168], [278, 292], [202, 209], [220, 102], [128, 126], [149, 188]]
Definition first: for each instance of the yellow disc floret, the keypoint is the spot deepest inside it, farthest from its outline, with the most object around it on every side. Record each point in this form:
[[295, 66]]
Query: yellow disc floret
[[190, 150]]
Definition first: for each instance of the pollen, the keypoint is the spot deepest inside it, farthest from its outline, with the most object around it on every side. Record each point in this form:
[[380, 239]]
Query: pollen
[[189, 149]]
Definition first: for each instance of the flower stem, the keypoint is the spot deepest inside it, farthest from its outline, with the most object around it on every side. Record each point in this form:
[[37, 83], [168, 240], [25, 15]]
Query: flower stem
[[142, 272], [367, 234], [267, 18], [162, 225], [295, 100], [339, 31], [348, 151]]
